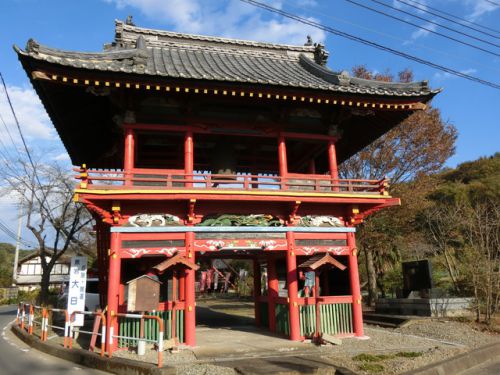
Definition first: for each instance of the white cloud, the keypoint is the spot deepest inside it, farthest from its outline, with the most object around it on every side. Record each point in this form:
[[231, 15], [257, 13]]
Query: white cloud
[[61, 157], [30, 112], [228, 18], [420, 33], [480, 7]]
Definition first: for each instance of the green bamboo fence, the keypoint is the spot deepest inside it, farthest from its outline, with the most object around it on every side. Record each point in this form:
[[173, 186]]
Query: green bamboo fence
[[336, 319], [130, 327]]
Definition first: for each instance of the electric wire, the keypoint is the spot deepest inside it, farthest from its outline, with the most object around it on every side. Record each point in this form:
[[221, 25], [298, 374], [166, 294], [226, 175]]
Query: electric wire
[[391, 36], [423, 8], [8, 132], [423, 28], [434, 23], [4, 228], [454, 16], [340, 33], [493, 2], [46, 205]]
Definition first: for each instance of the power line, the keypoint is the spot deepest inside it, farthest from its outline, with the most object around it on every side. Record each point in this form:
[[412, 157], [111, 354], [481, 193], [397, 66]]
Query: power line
[[4, 228], [454, 16], [493, 2], [423, 28], [424, 8], [370, 43], [42, 206], [391, 36], [434, 23], [8, 131]]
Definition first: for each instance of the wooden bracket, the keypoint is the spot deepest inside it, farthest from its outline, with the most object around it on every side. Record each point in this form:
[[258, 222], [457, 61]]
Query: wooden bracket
[[293, 213], [355, 216], [105, 215], [191, 215], [115, 209]]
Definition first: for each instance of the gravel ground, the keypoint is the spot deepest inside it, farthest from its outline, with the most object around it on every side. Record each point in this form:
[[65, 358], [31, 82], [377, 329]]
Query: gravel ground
[[433, 340]]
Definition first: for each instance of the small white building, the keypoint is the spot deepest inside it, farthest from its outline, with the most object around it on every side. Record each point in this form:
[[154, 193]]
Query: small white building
[[29, 272]]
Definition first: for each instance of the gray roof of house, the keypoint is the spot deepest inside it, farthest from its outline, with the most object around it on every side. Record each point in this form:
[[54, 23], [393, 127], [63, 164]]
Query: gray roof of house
[[158, 53]]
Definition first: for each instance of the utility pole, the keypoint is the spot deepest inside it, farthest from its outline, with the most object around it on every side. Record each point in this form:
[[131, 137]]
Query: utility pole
[[18, 243]]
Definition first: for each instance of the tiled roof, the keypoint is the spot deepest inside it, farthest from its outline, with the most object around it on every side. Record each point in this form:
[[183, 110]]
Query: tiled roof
[[159, 53]]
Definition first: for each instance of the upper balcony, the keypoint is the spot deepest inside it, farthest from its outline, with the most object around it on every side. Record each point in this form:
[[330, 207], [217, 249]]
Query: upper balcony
[[163, 164], [158, 180]]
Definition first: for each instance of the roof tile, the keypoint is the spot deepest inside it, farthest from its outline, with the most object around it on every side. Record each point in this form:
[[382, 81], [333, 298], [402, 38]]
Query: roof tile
[[169, 54]]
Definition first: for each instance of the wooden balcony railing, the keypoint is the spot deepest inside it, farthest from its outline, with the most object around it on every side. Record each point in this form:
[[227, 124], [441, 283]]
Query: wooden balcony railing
[[156, 179]]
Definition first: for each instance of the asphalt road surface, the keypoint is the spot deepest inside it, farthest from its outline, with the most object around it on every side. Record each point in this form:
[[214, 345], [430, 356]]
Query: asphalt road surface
[[17, 358]]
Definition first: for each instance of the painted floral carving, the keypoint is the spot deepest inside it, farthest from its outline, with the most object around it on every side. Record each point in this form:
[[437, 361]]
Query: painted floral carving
[[153, 220], [137, 253], [320, 221]]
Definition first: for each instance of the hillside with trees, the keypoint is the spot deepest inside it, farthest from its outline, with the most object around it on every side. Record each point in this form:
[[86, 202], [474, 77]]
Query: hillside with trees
[[7, 251], [450, 217]]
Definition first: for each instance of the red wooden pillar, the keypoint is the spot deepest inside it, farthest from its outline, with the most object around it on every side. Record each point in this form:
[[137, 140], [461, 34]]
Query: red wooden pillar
[[189, 157], [272, 288], [113, 293], [291, 278], [357, 311], [182, 285], [332, 162], [283, 164], [256, 290], [317, 305], [190, 309], [128, 155]]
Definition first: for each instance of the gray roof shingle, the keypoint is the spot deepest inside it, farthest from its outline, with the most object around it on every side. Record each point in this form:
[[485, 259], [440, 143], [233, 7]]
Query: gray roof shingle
[[160, 53]]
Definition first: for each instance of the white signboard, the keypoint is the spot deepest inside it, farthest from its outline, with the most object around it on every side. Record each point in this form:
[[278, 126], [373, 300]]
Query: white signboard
[[76, 288]]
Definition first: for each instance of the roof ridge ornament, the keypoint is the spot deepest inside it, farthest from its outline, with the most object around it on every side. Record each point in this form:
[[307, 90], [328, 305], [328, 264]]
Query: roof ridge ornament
[[320, 54], [32, 46], [129, 21]]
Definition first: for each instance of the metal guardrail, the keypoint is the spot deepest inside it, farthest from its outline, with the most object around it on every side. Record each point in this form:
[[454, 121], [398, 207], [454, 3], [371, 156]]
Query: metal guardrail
[[31, 319], [68, 329], [65, 329], [141, 337], [103, 329]]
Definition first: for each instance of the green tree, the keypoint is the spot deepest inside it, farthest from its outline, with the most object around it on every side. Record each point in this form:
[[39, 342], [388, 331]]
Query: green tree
[[464, 228], [420, 145]]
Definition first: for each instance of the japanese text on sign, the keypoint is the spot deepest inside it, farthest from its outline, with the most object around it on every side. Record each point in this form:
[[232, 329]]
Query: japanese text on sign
[[76, 288]]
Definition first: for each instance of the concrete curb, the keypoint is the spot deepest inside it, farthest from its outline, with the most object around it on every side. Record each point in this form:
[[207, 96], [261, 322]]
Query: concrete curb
[[461, 362], [284, 365], [120, 366]]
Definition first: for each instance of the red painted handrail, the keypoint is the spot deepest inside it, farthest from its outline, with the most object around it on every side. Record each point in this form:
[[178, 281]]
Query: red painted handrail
[[177, 179]]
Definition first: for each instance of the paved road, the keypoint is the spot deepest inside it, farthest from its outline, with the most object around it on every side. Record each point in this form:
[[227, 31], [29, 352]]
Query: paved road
[[17, 358]]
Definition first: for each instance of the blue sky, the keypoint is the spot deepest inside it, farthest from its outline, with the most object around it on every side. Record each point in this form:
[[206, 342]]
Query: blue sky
[[86, 25]]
